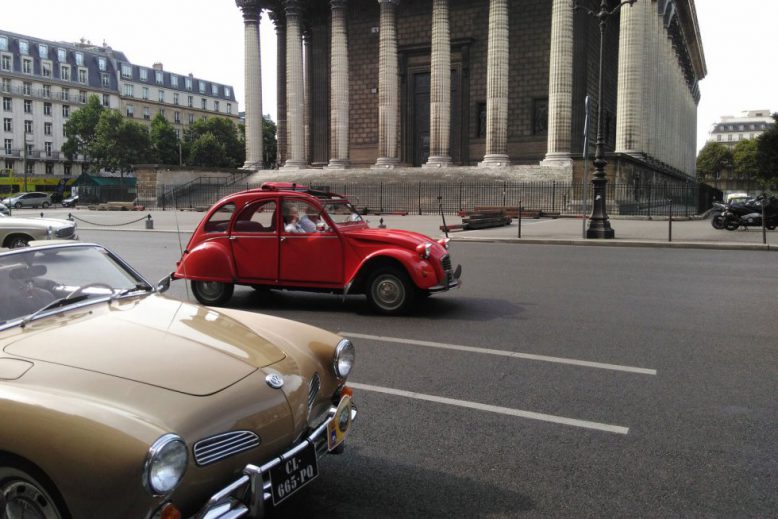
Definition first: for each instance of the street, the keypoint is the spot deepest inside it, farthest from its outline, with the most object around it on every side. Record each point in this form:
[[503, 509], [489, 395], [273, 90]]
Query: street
[[558, 382]]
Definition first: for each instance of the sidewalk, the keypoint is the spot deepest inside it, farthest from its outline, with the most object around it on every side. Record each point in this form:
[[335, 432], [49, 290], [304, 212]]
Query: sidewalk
[[629, 231]]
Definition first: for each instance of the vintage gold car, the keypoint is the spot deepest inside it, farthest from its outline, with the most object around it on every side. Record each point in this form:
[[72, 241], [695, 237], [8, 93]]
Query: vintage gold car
[[119, 402]]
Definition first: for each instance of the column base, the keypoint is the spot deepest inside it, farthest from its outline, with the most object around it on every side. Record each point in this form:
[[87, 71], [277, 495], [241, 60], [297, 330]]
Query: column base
[[600, 230], [557, 160], [295, 164], [338, 164], [386, 163], [495, 161], [252, 166], [438, 161]]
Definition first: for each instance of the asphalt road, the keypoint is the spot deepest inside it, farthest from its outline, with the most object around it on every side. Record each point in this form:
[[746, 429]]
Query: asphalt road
[[557, 382]]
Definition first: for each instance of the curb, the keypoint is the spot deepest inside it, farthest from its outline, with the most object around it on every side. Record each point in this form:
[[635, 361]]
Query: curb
[[621, 243]]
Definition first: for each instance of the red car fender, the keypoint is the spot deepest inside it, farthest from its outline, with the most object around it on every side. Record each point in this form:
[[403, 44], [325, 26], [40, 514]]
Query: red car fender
[[421, 271], [210, 260]]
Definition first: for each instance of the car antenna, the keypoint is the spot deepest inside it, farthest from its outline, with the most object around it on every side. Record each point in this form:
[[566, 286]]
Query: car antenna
[[440, 206], [178, 233]]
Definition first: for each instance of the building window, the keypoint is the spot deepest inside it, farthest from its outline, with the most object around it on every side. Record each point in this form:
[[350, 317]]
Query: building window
[[144, 74], [177, 117], [28, 106], [229, 108], [49, 168], [101, 64], [82, 77], [62, 55], [27, 66], [729, 137], [106, 100], [105, 80], [127, 71], [30, 165], [146, 113], [162, 112], [6, 62], [130, 111], [173, 80], [9, 164], [64, 72], [27, 89], [68, 170], [227, 92], [3, 42], [6, 85], [191, 118], [47, 148], [6, 104], [47, 109], [24, 47], [204, 103], [161, 96], [46, 69], [159, 77], [8, 125], [214, 89], [202, 86], [66, 94], [27, 126], [175, 98], [190, 101], [80, 59], [65, 111], [188, 83], [82, 96], [128, 90], [43, 51], [178, 133], [8, 146], [46, 128], [47, 91], [145, 92], [216, 106]]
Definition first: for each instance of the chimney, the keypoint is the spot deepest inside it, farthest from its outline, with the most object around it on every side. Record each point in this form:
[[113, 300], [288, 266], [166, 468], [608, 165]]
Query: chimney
[[157, 66]]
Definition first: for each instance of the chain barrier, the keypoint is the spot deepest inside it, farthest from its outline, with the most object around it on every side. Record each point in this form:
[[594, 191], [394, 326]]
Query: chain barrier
[[71, 217]]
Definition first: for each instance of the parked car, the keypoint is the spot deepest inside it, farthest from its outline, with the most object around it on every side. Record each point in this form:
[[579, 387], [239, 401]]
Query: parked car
[[18, 231], [119, 402], [252, 238], [4, 209], [71, 201], [33, 199]]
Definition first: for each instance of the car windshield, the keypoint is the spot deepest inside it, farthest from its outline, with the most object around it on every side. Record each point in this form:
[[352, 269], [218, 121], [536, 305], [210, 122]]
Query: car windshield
[[341, 212], [37, 280]]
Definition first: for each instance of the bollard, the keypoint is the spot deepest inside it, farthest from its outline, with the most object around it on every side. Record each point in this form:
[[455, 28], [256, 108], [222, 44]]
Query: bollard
[[670, 221], [149, 222], [41, 214], [381, 224], [70, 216]]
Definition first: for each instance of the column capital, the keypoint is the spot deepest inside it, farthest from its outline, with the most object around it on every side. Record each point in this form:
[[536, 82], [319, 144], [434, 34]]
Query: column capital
[[338, 4], [389, 3], [252, 11], [293, 7]]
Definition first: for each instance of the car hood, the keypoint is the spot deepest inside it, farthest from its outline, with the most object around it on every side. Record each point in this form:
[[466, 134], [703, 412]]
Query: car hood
[[398, 237], [34, 223], [153, 340]]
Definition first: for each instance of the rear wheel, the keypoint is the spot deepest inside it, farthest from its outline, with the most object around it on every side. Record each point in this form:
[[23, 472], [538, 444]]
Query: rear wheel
[[731, 224], [18, 205], [17, 240], [45, 205], [390, 291], [22, 496], [212, 293]]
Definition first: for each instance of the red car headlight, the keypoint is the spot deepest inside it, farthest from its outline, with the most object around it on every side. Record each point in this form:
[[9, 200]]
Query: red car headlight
[[423, 250]]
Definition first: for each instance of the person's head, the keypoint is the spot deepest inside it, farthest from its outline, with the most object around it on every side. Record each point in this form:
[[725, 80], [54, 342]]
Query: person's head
[[291, 214]]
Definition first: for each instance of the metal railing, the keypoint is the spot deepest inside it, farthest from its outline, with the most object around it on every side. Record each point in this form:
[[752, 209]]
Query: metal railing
[[682, 198]]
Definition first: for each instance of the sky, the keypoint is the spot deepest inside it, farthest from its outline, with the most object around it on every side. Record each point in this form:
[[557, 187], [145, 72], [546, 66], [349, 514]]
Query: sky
[[205, 38]]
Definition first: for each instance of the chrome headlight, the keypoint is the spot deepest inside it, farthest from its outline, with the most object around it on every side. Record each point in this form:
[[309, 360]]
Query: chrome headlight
[[344, 358], [165, 464], [423, 250]]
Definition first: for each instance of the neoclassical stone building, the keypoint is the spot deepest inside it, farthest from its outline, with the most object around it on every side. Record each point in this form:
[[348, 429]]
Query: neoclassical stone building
[[477, 83]]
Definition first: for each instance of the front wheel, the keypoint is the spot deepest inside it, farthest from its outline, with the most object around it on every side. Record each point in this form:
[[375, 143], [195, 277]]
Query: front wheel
[[21, 495], [18, 205], [16, 241], [390, 291], [717, 221], [45, 205], [212, 293]]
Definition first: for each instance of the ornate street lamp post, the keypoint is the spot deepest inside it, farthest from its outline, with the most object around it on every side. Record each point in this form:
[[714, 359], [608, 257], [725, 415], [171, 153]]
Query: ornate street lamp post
[[599, 226]]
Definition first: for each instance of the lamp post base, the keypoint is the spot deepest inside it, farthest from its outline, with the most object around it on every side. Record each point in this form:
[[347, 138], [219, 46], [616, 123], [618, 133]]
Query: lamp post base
[[600, 230]]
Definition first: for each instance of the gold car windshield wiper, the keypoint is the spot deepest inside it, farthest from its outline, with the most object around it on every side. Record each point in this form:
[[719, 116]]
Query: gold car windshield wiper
[[53, 304], [140, 287]]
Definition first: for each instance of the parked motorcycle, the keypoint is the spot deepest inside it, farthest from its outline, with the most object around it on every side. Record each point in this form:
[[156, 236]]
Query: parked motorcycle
[[717, 218], [749, 213]]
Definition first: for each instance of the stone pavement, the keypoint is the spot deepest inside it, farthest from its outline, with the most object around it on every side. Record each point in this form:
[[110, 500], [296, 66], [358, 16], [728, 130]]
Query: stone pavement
[[629, 231]]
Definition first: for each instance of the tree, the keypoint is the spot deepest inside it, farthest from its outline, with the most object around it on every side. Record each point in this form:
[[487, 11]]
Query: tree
[[225, 133], [767, 154], [120, 143], [80, 129], [206, 150], [164, 141], [269, 145], [744, 158], [712, 160]]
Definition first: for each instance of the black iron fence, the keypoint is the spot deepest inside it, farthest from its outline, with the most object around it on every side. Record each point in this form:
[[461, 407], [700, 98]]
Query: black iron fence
[[683, 199]]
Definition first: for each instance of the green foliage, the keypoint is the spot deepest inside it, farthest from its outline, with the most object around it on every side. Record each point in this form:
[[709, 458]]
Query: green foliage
[[744, 158], [120, 143], [269, 145], [164, 141], [80, 129], [713, 159], [223, 132], [767, 154]]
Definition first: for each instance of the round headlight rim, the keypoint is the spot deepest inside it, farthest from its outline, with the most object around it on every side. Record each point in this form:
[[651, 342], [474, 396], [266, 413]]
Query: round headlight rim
[[154, 451], [344, 345]]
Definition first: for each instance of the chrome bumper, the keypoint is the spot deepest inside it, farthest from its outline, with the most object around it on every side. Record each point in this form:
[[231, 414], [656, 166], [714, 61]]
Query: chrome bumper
[[452, 281], [247, 495]]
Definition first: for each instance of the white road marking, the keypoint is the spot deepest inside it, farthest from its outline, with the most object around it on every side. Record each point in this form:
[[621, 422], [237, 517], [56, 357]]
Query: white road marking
[[502, 353], [493, 409]]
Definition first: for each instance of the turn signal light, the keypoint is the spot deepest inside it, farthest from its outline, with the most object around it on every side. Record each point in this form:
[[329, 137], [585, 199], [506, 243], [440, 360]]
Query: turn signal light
[[169, 511], [347, 391], [444, 242]]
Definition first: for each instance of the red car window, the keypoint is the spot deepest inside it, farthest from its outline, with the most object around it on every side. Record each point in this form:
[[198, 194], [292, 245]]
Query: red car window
[[220, 219]]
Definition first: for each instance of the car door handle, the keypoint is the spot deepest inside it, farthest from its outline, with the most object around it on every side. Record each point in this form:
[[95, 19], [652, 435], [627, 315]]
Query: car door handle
[[283, 238]]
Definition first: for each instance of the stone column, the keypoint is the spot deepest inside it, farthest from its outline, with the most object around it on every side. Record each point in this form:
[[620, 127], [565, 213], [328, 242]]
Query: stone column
[[281, 127], [560, 85], [339, 92], [630, 98], [440, 87], [295, 94], [497, 86], [252, 70], [308, 94], [388, 87]]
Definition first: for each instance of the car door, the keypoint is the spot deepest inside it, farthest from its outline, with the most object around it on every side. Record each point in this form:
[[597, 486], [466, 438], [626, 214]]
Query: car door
[[254, 242], [310, 257]]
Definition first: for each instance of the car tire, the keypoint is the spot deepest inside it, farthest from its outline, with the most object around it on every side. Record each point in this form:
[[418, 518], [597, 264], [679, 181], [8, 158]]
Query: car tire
[[390, 291], [18, 205], [22, 495], [212, 293], [45, 205], [16, 241]]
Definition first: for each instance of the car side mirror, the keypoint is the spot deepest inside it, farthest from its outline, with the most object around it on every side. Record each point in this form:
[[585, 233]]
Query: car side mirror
[[164, 284], [321, 226]]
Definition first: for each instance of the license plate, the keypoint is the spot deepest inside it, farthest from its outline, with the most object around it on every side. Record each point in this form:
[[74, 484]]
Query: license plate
[[288, 477]]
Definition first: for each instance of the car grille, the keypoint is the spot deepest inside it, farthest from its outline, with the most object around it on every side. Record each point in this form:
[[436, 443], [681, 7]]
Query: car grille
[[65, 232], [446, 262], [221, 446], [313, 390]]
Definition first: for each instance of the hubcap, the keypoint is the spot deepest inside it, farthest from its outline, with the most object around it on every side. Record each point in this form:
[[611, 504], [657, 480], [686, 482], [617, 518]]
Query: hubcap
[[389, 293], [22, 500], [210, 289]]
